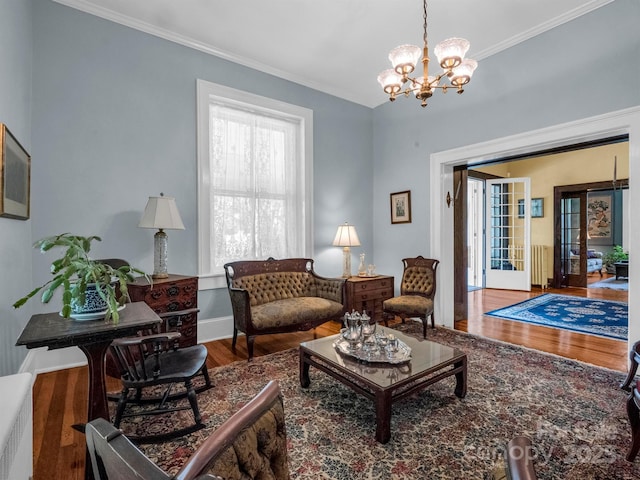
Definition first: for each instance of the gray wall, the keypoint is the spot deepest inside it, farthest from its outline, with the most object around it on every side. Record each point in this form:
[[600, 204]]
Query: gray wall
[[115, 122], [586, 67], [15, 235]]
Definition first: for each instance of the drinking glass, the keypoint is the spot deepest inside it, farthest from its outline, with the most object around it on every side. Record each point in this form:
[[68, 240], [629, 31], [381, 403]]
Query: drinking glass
[[392, 348]]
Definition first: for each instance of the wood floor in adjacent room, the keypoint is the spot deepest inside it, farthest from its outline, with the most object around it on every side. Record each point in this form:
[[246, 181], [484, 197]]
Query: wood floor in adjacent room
[[59, 398]]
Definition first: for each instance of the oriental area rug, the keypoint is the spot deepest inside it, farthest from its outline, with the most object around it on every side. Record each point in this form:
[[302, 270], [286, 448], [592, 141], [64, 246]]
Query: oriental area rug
[[574, 413], [605, 318]]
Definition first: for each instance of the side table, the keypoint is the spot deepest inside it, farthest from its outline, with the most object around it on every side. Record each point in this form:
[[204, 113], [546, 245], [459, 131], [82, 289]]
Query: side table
[[172, 294], [93, 338], [368, 293]]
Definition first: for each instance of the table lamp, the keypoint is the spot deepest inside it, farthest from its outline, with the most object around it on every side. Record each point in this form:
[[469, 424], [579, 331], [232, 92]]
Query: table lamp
[[161, 213], [346, 237]]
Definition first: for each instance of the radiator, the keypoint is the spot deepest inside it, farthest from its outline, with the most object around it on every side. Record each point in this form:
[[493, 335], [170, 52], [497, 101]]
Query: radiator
[[539, 269], [16, 427]]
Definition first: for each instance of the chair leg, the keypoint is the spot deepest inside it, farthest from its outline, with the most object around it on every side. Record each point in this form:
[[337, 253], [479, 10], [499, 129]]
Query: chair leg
[[122, 403], [193, 401], [385, 319], [634, 420], [250, 340], [205, 374], [433, 320], [235, 338], [424, 326]]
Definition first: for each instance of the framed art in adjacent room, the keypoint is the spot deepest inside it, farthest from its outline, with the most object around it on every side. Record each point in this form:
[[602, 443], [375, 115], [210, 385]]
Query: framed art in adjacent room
[[401, 207], [600, 216], [15, 177], [537, 208]]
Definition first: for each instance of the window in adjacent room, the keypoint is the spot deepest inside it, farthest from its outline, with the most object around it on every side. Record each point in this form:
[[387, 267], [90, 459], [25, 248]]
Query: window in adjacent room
[[254, 179]]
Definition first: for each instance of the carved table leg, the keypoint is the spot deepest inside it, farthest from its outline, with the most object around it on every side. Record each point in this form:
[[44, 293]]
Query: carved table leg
[[461, 379], [383, 416], [304, 370]]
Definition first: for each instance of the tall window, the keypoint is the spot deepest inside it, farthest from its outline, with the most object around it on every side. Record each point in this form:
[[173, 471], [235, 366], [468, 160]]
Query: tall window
[[254, 172]]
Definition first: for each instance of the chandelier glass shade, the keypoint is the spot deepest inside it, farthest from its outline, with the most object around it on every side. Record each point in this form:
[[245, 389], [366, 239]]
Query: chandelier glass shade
[[450, 54]]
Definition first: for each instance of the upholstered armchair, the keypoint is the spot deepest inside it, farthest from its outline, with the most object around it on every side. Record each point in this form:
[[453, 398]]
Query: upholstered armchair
[[250, 445], [417, 291]]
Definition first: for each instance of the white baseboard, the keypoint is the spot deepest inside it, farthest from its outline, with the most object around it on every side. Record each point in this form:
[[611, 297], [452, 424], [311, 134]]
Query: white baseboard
[[41, 360]]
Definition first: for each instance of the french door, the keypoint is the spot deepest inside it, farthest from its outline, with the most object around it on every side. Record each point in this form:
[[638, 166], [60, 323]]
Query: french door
[[508, 239], [573, 245]]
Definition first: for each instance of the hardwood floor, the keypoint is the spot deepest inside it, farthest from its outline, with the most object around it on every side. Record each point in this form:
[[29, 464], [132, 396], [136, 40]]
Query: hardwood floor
[[59, 398]]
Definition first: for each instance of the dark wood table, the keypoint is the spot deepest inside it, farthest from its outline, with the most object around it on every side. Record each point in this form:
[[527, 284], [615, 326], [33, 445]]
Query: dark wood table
[[93, 337], [382, 382], [622, 269]]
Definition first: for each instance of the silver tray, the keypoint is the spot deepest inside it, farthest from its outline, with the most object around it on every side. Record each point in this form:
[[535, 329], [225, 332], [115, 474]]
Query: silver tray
[[402, 355]]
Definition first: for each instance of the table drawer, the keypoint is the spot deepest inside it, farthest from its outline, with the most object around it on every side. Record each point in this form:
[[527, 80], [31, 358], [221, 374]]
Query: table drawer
[[373, 284], [363, 296]]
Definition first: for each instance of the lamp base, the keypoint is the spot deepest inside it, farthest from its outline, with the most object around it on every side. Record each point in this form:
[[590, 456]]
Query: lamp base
[[160, 242], [346, 262]]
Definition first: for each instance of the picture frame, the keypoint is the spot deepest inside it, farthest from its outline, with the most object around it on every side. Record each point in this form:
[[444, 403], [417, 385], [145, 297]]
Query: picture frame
[[400, 207], [537, 208], [600, 217], [15, 177]]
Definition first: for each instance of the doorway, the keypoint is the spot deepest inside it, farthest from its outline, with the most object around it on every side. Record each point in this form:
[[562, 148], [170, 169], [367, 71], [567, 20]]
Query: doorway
[[442, 180], [475, 233]]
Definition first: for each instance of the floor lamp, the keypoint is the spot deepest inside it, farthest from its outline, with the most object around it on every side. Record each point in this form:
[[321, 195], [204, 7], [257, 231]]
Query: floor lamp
[[346, 237]]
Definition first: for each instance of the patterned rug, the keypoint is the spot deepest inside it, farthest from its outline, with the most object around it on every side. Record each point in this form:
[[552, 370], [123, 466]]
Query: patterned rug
[[612, 283], [574, 413], [604, 318]]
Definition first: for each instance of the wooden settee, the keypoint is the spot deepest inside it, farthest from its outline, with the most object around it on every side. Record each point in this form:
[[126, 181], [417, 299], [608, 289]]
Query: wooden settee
[[276, 296]]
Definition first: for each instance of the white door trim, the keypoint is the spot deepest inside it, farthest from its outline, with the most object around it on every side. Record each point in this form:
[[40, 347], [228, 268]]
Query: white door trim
[[620, 122]]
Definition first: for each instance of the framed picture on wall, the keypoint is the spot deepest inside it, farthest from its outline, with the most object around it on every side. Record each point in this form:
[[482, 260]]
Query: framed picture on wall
[[15, 173], [537, 208], [600, 216], [401, 207]]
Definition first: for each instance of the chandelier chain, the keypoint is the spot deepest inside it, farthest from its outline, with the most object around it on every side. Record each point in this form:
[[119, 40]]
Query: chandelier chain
[[424, 16]]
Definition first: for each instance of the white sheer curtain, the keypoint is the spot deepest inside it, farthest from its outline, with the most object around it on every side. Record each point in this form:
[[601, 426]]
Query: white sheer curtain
[[257, 198]]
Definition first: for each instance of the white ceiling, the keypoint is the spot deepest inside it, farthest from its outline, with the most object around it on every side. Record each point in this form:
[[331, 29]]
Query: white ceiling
[[335, 46]]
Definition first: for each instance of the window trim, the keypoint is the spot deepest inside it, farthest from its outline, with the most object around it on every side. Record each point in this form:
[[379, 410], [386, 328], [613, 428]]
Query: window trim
[[204, 92]]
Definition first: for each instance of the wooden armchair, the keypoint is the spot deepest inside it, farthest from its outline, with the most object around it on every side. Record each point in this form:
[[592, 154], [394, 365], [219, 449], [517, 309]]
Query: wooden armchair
[[417, 291], [154, 359], [251, 444]]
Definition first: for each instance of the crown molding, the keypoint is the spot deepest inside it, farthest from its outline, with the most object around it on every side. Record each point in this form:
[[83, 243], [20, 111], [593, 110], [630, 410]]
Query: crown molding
[[365, 100], [543, 27]]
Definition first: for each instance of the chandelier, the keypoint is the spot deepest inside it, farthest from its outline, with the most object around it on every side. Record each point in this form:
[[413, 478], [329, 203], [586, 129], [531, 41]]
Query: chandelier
[[456, 69]]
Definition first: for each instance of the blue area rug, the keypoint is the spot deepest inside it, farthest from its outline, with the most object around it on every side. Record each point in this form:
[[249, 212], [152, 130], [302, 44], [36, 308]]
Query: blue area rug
[[612, 283], [596, 317]]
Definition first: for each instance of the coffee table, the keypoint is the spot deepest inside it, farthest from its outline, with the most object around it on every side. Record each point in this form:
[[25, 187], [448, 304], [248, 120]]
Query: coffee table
[[382, 382]]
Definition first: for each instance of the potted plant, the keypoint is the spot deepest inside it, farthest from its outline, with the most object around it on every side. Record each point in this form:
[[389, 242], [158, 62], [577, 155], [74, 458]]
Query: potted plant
[[88, 286], [614, 256]]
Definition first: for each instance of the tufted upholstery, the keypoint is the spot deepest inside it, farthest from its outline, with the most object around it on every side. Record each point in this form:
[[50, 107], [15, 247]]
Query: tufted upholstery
[[250, 445], [417, 290], [275, 296]]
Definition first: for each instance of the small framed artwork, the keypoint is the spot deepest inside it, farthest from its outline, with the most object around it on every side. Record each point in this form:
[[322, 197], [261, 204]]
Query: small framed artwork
[[15, 177], [401, 207], [537, 208]]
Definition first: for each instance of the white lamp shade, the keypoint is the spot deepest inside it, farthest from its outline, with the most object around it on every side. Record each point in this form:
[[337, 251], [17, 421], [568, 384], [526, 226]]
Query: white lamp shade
[[463, 72], [390, 81], [161, 213], [404, 58], [451, 52], [346, 236]]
